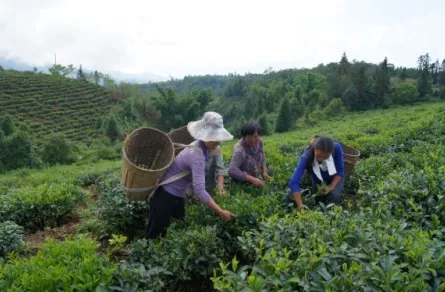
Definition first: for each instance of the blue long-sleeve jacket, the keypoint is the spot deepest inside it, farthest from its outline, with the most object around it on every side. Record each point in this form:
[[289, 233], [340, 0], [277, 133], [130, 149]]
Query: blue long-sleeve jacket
[[303, 165]]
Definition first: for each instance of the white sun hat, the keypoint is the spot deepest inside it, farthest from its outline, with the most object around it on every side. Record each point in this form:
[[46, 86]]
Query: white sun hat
[[209, 128]]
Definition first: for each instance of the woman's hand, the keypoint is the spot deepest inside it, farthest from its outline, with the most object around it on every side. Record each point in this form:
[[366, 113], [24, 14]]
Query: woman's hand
[[255, 181], [226, 215], [266, 177], [221, 191]]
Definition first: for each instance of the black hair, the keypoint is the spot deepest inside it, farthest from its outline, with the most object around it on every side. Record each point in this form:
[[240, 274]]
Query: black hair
[[323, 143], [249, 128]]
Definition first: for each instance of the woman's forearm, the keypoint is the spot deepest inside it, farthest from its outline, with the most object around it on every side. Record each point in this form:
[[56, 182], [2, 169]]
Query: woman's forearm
[[214, 206], [334, 182], [220, 181], [297, 198]]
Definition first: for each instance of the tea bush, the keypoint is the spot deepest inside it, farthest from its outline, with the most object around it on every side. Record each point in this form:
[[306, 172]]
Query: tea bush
[[44, 205], [58, 266], [11, 237]]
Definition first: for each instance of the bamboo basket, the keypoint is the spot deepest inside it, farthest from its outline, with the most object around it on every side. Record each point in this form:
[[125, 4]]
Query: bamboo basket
[[147, 154], [350, 154], [180, 136], [351, 157]]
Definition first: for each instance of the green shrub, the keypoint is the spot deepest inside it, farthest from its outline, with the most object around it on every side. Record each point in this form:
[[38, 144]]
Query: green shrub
[[72, 265], [119, 213], [57, 150], [335, 251], [41, 206], [184, 254], [18, 151], [11, 237]]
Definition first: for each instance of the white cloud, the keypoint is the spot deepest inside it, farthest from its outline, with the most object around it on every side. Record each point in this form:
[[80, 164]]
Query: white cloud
[[199, 37]]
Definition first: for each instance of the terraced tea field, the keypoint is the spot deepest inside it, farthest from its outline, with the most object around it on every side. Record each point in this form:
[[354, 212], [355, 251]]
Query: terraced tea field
[[50, 104]]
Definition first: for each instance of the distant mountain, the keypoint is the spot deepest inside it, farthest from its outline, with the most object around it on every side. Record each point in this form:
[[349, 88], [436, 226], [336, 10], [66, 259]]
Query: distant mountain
[[137, 78], [145, 77], [12, 64]]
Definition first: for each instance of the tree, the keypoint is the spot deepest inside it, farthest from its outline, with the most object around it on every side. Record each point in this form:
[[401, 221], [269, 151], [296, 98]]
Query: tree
[[168, 106], [435, 71], [381, 85], [204, 97], [108, 81], [80, 74], [351, 99], [442, 74], [18, 151], [126, 111], [2, 151], [424, 85], [112, 129], [360, 81], [403, 74], [60, 70], [284, 119], [264, 123], [96, 77], [297, 109], [344, 65], [235, 128], [404, 93], [6, 125], [334, 108], [260, 107], [57, 150]]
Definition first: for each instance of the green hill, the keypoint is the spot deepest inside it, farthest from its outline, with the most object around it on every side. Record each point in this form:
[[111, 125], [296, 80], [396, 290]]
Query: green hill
[[49, 104]]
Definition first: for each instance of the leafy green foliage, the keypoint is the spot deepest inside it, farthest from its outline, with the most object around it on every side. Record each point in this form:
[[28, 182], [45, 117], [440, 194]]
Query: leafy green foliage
[[284, 119], [57, 150], [182, 255], [119, 213], [11, 237], [405, 93], [111, 129], [18, 152], [335, 250], [41, 206], [265, 126], [6, 125], [72, 264]]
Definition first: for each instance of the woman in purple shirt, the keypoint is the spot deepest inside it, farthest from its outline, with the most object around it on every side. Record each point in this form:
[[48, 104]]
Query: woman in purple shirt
[[168, 200], [248, 159], [324, 161]]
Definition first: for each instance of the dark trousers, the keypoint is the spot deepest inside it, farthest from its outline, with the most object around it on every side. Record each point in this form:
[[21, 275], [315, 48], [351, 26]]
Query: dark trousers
[[333, 197], [162, 207]]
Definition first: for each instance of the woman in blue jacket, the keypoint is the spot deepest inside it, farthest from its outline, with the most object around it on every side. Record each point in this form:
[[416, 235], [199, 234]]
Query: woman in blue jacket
[[324, 161]]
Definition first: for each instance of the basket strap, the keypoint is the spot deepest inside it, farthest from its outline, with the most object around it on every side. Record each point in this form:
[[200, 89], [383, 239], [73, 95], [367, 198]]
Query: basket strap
[[157, 184], [178, 146]]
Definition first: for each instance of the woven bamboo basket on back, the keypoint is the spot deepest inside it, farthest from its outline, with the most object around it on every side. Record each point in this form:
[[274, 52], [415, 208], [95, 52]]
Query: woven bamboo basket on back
[[180, 136], [147, 154], [351, 157]]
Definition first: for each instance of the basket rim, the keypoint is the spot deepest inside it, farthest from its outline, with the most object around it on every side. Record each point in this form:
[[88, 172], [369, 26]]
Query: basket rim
[[145, 169]]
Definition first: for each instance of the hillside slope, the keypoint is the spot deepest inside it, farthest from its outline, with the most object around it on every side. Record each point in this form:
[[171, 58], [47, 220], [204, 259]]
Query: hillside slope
[[49, 104]]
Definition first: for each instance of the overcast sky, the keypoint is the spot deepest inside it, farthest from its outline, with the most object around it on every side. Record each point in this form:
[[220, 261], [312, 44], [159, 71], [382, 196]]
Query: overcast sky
[[204, 37]]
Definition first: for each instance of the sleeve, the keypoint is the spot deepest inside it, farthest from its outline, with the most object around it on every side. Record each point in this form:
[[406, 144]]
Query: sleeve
[[198, 176], [219, 165], [338, 160], [295, 180], [234, 167]]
